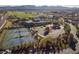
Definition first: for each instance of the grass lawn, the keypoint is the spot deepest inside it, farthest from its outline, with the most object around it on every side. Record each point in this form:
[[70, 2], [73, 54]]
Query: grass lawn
[[8, 24], [22, 14]]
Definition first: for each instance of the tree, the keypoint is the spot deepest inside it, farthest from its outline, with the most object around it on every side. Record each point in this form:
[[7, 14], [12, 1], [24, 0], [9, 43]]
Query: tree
[[67, 28]]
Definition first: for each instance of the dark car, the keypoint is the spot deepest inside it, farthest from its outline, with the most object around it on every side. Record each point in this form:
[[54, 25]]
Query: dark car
[[77, 34], [55, 27]]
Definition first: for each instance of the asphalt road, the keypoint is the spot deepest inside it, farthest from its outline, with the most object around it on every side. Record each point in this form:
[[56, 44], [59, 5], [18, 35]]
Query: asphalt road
[[3, 19]]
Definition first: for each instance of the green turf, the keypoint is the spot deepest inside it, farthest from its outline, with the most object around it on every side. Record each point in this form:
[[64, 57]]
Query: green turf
[[22, 14]]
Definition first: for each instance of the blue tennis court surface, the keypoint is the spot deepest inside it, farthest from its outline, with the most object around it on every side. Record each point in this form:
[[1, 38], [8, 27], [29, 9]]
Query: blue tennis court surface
[[15, 37]]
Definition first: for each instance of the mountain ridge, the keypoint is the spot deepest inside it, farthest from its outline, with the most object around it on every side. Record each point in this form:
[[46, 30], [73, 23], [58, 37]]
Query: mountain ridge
[[38, 8]]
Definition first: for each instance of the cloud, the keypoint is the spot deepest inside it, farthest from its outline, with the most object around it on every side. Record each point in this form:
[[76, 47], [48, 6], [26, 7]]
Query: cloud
[[39, 2]]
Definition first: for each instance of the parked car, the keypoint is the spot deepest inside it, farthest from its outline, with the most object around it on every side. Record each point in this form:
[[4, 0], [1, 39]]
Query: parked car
[[77, 34], [55, 27]]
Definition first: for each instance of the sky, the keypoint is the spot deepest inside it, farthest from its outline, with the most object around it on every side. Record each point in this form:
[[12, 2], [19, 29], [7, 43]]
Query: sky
[[69, 3]]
